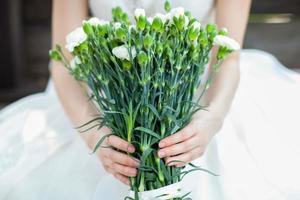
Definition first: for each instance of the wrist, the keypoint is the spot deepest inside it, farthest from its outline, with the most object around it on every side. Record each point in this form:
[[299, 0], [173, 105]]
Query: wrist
[[93, 136], [210, 116], [210, 113]]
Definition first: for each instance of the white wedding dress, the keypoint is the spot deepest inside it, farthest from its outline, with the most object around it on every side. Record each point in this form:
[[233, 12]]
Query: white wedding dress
[[256, 153]]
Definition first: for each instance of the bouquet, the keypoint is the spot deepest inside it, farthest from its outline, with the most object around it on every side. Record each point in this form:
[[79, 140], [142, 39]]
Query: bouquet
[[144, 78]]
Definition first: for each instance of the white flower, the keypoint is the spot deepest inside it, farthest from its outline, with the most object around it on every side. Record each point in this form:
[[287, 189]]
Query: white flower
[[122, 52], [150, 20], [177, 12], [162, 17], [139, 12], [196, 25], [74, 62], [228, 42], [117, 25], [94, 21], [75, 38], [168, 16]]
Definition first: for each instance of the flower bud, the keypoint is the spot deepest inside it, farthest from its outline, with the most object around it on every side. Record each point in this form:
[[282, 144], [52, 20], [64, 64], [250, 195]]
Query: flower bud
[[139, 43], [192, 34], [211, 30], [157, 24], [196, 25], [202, 39], [148, 41], [177, 12], [167, 6], [125, 18], [88, 28], [102, 30], [223, 31], [169, 52], [117, 13], [159, 48], [162, 17], [142, 58], [139, 12], [179, 22], [141, 23], [55, 55], [120, 33], [126, 65]]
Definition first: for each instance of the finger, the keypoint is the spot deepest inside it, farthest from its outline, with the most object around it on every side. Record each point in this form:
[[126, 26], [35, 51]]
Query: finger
[[183, 159], [122, 158], [179, 148], [122, 178], [109, 170], [124, 170], [120, 144], [180, 136]]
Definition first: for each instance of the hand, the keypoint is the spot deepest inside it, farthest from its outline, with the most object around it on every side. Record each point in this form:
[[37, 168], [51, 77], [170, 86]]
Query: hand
[[118, 163], [190, 142]]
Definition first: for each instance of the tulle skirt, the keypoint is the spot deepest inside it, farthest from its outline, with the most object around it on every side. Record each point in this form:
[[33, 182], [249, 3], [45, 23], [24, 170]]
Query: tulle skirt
[[256, 153]]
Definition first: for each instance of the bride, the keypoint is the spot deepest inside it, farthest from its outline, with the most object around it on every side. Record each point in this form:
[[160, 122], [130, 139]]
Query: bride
[[250, 136]]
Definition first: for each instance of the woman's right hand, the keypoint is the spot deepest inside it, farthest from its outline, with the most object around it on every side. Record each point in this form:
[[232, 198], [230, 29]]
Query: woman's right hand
[[117, 162]]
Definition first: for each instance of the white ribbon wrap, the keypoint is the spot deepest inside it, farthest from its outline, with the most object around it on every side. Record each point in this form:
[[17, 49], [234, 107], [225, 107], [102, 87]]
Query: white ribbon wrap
[[168, 192]]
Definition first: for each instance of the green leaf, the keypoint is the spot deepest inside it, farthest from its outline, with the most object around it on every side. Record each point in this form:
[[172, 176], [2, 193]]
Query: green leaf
[[145, 156], [89, 128], [148, 131], [154, 110], [98, 144], [89, 122], [113, 112], [197, 168]]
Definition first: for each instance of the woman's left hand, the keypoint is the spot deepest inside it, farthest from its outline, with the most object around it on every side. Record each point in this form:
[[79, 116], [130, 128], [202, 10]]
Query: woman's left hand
[[190, 142]]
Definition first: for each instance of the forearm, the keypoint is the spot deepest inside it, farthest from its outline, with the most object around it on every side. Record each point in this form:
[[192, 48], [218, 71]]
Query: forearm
[[72, 96], [74, 101], [221, 92], [232, 14], [66, 16]]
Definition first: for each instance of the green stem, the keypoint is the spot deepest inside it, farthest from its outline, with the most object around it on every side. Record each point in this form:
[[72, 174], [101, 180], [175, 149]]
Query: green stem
[[142, 180], [160, 173]]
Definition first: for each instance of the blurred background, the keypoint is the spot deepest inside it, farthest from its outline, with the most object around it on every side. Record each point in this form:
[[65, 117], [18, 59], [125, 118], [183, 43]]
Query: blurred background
[[25, 38]]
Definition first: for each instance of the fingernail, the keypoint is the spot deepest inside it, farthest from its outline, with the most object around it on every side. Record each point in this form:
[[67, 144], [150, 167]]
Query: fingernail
[[136, 160], [161, 144], [161, 154], [131, 149], [136, 163]]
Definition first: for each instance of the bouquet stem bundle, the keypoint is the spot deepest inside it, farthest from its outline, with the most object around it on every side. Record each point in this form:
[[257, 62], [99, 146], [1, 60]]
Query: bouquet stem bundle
[[144, 79]]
